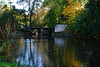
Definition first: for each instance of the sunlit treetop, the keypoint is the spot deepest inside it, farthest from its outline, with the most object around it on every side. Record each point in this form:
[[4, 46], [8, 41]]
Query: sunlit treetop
[[72, 10]]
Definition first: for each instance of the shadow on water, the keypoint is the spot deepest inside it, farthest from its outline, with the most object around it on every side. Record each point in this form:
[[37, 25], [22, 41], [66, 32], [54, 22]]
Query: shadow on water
[[58, 52]]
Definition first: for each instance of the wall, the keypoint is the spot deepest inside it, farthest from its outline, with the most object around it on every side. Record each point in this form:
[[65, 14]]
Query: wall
[[60, 27]]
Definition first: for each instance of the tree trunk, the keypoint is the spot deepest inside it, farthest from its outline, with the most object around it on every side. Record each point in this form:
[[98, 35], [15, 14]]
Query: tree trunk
[[30, 20], [30, 13]]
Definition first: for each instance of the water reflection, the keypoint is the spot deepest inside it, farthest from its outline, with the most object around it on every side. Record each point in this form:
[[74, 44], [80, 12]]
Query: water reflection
[[60, 42], [59, 52], [33, 52]]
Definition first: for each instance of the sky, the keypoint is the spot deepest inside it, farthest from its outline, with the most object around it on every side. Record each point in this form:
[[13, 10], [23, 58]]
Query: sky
[[15, 3]]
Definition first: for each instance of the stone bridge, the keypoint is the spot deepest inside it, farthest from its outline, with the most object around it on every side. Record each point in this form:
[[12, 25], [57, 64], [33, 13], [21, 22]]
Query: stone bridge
[[41, 31]]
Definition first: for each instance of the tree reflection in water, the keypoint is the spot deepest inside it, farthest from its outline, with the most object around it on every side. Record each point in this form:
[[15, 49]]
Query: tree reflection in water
[[33, 52], [58, 52]]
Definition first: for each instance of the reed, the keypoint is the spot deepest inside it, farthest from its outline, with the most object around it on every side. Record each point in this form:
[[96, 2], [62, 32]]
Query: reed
[[7, 31], [7, 34]]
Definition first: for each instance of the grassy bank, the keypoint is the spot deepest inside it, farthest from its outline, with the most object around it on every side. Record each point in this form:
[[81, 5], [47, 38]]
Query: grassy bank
[[4, 64]]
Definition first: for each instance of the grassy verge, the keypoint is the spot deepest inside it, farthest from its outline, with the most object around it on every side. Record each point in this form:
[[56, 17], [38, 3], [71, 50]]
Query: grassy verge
[[4, 64]]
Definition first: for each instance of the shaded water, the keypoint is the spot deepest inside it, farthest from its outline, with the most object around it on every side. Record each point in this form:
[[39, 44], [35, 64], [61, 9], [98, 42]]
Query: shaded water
[[58, 52]]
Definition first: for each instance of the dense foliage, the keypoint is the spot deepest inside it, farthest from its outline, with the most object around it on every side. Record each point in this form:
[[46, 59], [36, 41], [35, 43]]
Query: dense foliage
[[11, 20], [54, 14], [14, 15], [87, 21], [80, 17]]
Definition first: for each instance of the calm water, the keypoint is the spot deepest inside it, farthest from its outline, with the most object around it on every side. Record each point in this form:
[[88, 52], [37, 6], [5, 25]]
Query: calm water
[[58, 52]]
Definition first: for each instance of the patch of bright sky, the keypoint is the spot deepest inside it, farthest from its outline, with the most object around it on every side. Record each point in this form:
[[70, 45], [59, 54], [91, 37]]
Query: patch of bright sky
[[5, 1], [16, 5], [19, 6], [14, 2]]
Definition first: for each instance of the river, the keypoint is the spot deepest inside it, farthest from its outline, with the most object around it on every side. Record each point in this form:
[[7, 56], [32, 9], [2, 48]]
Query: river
[[47, 51]]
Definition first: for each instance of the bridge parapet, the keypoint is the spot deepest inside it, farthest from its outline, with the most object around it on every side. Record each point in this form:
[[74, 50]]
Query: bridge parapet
[[43, 31]]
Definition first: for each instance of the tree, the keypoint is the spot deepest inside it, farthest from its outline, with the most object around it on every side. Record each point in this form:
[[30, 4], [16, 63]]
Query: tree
[[3, 7], [21, 17], [87, 21], [73, 9], [31, 6], [38, 17], [5, 16], [93, 16], [56, 8]]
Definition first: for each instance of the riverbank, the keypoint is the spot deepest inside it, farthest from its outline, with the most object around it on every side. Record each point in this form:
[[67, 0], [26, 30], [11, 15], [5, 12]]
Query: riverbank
[[59, 34], [9, 49], [63, 34], [4, 64]]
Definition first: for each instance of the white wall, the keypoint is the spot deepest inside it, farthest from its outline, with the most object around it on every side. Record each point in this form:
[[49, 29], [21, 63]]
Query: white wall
[[60, 27]]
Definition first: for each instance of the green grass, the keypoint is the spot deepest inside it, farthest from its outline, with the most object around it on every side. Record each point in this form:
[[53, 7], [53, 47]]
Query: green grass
[[4, 64]]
